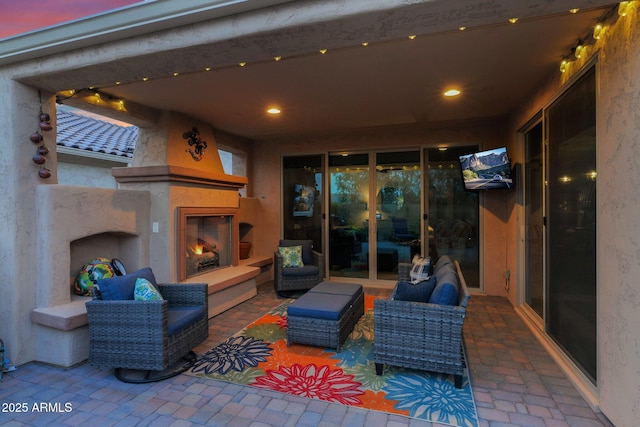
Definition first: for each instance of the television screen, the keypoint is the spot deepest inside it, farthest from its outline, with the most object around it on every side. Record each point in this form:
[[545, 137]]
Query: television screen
[[486, 170]]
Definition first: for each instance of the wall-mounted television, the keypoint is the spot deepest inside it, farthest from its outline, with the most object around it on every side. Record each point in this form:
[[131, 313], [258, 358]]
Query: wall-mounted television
[[486, 170]]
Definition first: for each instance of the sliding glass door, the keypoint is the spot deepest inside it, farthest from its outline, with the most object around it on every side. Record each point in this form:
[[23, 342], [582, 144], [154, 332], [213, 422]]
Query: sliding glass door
[[398, 211], [559, 233], [378, 212], [571, 222], [534, 219], [374, 213], [349, 209], [452, 212]]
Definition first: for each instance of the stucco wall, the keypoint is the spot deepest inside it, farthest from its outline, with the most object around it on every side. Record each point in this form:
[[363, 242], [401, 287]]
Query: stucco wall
[[618, 157], [617, 58]]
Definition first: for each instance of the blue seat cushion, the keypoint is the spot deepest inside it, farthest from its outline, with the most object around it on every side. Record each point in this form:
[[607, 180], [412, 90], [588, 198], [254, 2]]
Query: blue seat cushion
[[418, 292], [122, 287], [320, 306], [352, 290], [181, 317], [446, 290], [305, 270]]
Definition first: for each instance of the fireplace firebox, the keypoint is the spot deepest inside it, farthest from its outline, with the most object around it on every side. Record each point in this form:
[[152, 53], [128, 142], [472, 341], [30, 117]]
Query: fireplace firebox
[[207, 240]]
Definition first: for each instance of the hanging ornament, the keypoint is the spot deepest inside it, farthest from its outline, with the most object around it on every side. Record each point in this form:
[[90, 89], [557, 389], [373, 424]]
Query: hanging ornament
[[37, 138]]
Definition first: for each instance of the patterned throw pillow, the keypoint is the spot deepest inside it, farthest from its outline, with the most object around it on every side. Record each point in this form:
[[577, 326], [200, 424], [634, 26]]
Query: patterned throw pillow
[[145, 291], [291, 256], [421, 268]]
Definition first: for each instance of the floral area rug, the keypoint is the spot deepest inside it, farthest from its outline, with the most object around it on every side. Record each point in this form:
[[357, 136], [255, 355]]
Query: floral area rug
[[258, 356]]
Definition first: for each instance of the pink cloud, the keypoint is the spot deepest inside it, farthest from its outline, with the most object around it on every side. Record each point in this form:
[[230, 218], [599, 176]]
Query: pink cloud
[[18, 17]]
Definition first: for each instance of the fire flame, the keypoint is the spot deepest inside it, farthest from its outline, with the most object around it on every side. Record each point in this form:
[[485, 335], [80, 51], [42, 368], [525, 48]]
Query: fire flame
[[198, 249]]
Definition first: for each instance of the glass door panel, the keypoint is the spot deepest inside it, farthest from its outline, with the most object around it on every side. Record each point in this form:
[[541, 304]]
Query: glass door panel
[[349, 215], [571, 223], [534, 217], [302, 198], [453, 212], [398, 190]]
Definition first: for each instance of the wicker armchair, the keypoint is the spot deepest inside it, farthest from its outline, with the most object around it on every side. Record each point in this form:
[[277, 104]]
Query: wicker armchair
[[298, 278], [420, 335], [133, 334]]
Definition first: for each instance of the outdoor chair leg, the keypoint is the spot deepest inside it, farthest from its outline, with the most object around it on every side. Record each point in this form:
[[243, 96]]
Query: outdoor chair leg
[[379, 368], [457, 381]]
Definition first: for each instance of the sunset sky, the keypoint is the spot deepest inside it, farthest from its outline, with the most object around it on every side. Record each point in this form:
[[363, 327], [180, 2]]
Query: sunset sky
[[21, 16]]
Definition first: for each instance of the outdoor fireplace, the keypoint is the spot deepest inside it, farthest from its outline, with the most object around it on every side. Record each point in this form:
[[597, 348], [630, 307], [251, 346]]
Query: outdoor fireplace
[[207, 240]]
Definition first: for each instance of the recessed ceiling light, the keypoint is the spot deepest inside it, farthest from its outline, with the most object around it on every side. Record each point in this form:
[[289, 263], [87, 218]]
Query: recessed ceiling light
[[513, 20], [452, 92], [274, 110], [462, 28], [323, 51], [412, 36], [573, 10]]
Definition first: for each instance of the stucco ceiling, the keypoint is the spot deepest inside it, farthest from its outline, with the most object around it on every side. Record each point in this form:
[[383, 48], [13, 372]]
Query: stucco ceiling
[[392, 81]]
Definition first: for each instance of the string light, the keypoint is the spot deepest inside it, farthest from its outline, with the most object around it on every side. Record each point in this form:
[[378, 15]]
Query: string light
[[598, 31], [564, 65], [579, 49], [623, 8]]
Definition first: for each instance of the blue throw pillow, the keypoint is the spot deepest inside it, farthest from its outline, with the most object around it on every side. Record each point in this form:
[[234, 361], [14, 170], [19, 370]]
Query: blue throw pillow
[[122, 287], [417, 292], [145, 291], [446, 291]]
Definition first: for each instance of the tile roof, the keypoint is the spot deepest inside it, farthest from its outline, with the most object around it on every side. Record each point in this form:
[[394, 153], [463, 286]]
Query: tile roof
[[86, 133]]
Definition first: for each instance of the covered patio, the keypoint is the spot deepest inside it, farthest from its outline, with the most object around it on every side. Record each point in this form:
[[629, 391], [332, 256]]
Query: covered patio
[[348, 77]]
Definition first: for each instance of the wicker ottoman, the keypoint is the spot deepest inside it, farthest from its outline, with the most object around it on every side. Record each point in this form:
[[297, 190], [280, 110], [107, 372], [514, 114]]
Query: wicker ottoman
[[325, 315]]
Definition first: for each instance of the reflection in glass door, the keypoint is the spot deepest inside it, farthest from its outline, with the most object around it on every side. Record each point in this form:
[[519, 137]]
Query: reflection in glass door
[[348, 215], [534, 219], [397, 214], [453, 213], [302, 198]]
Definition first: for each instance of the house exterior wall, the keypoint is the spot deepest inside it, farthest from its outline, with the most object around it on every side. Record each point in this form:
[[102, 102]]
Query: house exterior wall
[[91, 176], [617, 58]]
